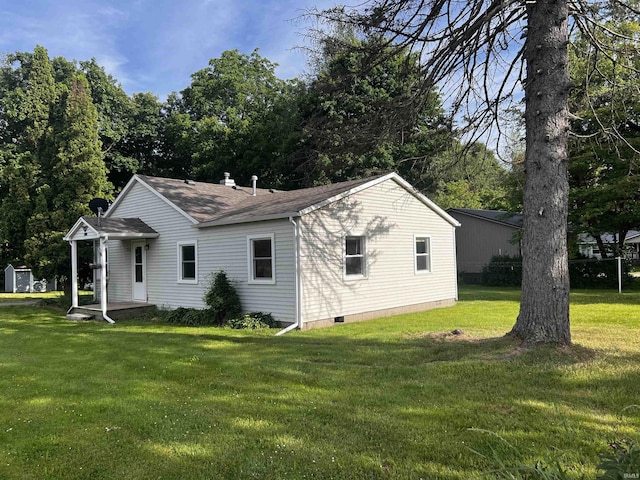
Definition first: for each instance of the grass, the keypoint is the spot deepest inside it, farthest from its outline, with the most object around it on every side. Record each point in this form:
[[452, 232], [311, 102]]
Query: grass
[[392, 398], [18, 297]]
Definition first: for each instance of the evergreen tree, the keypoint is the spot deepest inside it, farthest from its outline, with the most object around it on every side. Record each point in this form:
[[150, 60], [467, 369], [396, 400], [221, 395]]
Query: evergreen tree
[[77, 175], [30, 96]]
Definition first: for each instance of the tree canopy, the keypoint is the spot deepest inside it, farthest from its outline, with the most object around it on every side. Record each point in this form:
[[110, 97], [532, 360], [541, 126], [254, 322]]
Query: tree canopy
[[605, 146], [68, 131]]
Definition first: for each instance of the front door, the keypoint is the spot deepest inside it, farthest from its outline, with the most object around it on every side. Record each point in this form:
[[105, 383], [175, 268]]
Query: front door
[[139, 271]]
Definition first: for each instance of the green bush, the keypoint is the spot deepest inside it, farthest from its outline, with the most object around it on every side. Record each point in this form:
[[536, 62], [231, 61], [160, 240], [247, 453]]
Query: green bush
[[190, 317], [253, 321], [503, 271], [621, 463], [591, 273], [222, 299]]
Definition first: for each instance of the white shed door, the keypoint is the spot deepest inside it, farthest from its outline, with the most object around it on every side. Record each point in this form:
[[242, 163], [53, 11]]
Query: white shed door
[[139, 271]]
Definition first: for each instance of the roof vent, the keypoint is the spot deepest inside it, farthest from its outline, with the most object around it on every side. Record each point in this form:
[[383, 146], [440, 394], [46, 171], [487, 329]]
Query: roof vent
[[227, 181], [189, 182], [254, 183]]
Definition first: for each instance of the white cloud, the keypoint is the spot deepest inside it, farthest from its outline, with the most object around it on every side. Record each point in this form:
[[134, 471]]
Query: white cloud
[[151, 45]]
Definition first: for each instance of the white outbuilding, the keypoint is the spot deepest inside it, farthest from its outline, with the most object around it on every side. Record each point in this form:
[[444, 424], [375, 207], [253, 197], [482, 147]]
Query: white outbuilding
[[18, 279]]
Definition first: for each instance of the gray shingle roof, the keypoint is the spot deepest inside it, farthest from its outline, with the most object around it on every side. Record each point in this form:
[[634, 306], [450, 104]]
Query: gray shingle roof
[[127, 226], [212, 203], [607, 237], [507, 218]]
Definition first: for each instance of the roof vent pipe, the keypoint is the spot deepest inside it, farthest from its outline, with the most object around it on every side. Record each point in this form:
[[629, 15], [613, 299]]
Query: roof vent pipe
[[227, 181], [254, 183]]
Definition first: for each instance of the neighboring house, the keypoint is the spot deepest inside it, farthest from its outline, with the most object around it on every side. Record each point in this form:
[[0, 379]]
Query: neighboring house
[[483, 234], [312, 257], [18, 279], [588, 246]]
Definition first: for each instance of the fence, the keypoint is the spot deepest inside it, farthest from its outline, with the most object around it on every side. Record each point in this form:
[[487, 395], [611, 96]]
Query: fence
[[583, 272]]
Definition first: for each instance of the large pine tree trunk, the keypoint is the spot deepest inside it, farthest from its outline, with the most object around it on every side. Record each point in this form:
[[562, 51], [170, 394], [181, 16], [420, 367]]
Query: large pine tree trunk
[[544, 308]]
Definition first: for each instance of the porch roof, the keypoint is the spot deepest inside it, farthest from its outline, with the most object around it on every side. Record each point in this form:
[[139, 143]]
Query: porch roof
[[92, 228]]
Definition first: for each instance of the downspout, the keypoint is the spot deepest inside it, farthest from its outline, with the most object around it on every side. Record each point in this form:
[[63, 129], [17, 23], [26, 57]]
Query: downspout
[[103, 280], [298, 322], [74, 275], [455, 260]]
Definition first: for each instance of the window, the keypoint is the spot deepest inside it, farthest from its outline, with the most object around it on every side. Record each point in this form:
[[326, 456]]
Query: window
[[422, 254], [354, 258], [187, 262], [138, 265], [262, 267]]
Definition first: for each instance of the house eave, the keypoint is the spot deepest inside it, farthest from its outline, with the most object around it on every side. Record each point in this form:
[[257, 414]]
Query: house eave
[[480, 217], [235, 221], [136, 179], [130, 236], [89, 234]]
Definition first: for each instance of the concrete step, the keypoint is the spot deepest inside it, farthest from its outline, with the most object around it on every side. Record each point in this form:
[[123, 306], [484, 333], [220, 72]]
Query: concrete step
[[78, 317]]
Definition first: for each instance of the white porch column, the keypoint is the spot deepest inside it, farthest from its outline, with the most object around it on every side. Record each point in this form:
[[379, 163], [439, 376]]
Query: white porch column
[[102, 258], [74, 273]]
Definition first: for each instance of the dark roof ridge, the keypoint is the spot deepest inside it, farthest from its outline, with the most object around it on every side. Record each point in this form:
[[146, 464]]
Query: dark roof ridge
[[512, 219]]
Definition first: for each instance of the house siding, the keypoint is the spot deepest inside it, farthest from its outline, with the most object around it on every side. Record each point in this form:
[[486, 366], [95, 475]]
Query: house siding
[[478, 240], [9, 274], [218, 248], [389, 217]]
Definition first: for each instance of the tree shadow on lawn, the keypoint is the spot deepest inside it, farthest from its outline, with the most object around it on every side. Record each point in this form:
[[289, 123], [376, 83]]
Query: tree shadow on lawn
[[237, 403]]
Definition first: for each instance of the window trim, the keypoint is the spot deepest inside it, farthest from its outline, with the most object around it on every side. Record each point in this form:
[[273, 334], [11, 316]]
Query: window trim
[[428, 255], [185, 243], [250, 273], [365, 270]]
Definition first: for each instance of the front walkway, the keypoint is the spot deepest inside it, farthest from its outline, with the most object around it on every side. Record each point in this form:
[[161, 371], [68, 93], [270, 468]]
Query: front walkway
[[18, 303]]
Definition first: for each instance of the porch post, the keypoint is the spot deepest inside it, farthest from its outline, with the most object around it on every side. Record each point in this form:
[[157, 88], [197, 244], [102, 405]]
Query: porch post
[[74, 273], [103, 276]]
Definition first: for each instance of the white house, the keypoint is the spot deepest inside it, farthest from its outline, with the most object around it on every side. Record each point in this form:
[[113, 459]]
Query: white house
[[312, 257], [588, 246]]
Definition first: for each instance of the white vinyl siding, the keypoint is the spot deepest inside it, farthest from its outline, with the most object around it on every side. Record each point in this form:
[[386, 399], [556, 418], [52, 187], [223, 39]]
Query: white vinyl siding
[[390, 217], [218, 248]]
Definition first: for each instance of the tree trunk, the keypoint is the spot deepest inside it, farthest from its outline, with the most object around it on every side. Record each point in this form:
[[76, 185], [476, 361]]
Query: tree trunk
[[544, 308], [601, 246]]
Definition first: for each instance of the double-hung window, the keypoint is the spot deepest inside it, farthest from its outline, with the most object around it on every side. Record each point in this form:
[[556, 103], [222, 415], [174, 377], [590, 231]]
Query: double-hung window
[[187, 262], [354, 256], [261, 253], [422, 253]]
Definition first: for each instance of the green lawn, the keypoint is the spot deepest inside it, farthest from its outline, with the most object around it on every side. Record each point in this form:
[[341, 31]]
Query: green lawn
[[391, 398], [19, 297]]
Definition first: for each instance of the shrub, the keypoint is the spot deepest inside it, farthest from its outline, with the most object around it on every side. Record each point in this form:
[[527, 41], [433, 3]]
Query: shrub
[[622, 462], [253, 321], [502, 271], [222, 299], [591, 273], [190, 317]]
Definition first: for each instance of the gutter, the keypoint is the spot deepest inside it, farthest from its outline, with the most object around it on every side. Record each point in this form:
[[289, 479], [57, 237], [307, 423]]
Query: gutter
[[103, 278], [246, 219], [298, 322]]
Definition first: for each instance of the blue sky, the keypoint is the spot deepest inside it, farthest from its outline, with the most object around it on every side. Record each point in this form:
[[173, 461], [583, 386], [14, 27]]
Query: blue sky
[[155, 45]]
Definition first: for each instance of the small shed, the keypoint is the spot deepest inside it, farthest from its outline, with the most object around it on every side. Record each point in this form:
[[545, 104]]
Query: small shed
[[18, 279]]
